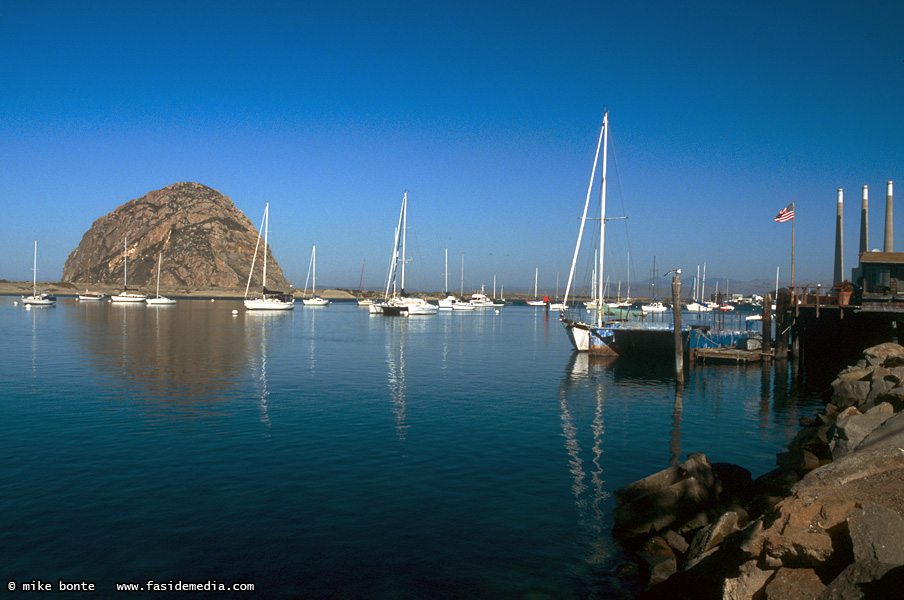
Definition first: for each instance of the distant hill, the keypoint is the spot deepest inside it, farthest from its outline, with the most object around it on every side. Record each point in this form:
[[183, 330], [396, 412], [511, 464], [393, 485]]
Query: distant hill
[[206, 242]]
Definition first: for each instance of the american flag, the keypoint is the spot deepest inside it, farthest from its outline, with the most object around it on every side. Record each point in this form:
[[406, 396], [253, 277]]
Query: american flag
[[786, 214]]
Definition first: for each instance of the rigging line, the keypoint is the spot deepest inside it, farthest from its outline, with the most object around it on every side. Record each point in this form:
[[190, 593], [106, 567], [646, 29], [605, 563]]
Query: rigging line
[[621, 198]]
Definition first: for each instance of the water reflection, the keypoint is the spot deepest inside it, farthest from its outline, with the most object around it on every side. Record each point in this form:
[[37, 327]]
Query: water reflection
[[589, 489], [395, 369], [190, 351]]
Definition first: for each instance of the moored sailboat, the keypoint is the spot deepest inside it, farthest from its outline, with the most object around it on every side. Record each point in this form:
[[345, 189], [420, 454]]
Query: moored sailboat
[[127, 295], [159, 300], [314, 300], [401, 305], [36, 299], [267, 299]]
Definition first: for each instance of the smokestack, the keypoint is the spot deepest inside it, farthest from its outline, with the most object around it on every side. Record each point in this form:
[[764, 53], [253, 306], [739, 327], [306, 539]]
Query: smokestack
[[839, 239], [889, 242], [864, 221]]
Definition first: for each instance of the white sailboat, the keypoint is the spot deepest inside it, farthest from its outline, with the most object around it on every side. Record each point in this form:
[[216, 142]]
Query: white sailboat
[[580, 333], [401, 305], [314, 300], [36, 299], [536, 301], [267, 299], [126, 295], [159, 300]]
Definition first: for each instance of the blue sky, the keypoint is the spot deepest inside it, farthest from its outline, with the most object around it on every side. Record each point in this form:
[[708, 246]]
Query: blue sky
[[486, 112]]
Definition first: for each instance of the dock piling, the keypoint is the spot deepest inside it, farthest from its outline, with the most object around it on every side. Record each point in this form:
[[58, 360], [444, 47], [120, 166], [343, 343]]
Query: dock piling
[[676, 315]]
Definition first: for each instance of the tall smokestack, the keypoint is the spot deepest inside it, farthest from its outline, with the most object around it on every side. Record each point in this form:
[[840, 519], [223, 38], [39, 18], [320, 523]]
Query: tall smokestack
[[839, 239], [864, 221], [889, 242]]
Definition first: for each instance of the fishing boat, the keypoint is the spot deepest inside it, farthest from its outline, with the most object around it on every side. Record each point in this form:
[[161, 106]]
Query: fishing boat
[[480, 300], [126, 295], [267, 299], [36, 299], [654, 306], [314, 300], [400, 305], [159, 300]]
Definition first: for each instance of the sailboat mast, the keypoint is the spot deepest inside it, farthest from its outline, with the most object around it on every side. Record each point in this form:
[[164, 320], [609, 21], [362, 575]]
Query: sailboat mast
[[34, 271], [125, 263], [599, 306], [446, 284], [404, 232], [266, 245], [535, 281], [314, 269], [462, 291], [159, 260]]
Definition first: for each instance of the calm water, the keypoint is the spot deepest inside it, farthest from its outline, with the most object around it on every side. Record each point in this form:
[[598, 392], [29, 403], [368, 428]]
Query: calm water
[[325, 453]]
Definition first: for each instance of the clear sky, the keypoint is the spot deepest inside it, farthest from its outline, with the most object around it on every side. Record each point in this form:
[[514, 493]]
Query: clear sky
[[488, 113]]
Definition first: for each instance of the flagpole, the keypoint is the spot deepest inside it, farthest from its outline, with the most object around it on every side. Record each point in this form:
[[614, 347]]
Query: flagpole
[[793, 219]]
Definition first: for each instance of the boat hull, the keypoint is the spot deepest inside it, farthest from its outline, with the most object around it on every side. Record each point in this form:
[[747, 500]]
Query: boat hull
[[39, 300], [129, 297], [160, 301], [315, 302], [269, 304]]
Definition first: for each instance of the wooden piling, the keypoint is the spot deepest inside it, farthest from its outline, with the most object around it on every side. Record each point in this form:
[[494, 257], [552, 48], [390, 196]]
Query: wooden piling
[[767, 324], [676, 317]]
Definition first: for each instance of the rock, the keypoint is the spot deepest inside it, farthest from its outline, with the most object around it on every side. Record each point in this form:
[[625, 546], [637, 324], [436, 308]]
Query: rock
[[801, 461], [852, 428], [890, 434], [850, 393], [884, 351], [206, 242], [659, 558], [877, 533], [665, 499], [794, 584], [712, 535], [746, 586], [854, 581], [856, 465], [736, 482], [676, 542]]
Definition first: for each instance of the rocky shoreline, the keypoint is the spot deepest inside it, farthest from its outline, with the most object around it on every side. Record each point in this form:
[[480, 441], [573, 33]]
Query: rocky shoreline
[[828, 523]]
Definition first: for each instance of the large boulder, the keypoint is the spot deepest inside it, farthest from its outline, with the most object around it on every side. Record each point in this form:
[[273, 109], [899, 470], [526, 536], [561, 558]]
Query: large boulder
[[665, 499]]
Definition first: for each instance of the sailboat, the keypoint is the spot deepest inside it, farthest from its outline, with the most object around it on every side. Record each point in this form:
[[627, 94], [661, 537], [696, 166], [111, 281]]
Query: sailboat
[[159, 300], [88, 295], [401, 305], [314, 300], [363, 300], [36, 299], [126, 295], [267, 299], [536, 301], [623, 338], [587, 337]]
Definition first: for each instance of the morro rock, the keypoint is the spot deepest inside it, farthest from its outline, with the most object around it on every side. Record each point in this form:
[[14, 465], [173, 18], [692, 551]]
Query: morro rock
[[205, 240]]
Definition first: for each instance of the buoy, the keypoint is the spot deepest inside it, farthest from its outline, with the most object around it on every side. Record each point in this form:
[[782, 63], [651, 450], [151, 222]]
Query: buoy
[[211, 299], [15, 303], [235, 311], [497, 311]]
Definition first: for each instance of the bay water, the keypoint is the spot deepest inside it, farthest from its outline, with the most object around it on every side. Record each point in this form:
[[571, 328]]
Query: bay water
[[328, 453]]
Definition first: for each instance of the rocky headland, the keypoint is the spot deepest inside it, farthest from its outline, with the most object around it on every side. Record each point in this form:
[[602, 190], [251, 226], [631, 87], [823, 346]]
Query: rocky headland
[[828, 523], [205, 240]]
